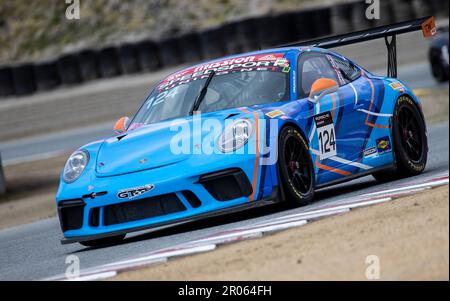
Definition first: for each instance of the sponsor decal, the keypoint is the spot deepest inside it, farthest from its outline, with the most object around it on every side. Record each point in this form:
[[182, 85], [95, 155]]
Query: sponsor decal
[[131, 193], [397, 86], [323, 119], [275, 62], [326, 135], [383, 145], [269, 57], [371, 152], [282, 62], [275, 113], [429, 27]]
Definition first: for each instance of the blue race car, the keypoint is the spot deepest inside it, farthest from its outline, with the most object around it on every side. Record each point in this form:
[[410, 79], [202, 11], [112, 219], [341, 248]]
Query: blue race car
[[275, 125]]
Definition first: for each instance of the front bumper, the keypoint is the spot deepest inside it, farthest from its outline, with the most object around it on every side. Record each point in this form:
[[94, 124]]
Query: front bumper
[[196, 194], [273, 198]]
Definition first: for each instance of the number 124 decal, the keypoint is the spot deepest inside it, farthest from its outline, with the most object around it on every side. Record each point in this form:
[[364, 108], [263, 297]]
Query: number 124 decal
[[326, 135]]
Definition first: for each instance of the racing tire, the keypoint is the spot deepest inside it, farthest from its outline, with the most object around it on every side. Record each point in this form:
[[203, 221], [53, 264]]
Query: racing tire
[[410, 142], [295, 165], [107, 241], [438, 69]]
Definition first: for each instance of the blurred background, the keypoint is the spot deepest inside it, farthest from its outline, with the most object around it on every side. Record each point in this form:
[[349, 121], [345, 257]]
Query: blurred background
[[66, 78]]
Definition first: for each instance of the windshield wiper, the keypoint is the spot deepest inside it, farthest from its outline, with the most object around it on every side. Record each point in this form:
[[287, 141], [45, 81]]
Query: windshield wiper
[[202, 94]]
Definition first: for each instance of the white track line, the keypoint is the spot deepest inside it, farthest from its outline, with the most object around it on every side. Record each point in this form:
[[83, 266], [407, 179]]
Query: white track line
[[411, 187], [248, 231], [105, 269], [98, 276], [306, 216], [230, 239], [165, 254]]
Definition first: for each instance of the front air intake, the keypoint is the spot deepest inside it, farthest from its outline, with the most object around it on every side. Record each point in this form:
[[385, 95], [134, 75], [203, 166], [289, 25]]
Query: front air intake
[[142, 209], [70, 214], [227, 184]]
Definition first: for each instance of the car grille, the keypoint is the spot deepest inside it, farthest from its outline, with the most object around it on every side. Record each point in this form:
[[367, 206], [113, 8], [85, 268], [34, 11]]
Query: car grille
[[142, 209]]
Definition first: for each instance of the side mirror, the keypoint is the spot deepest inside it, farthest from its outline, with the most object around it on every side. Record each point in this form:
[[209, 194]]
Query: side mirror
[[322, 87], [121, 125]]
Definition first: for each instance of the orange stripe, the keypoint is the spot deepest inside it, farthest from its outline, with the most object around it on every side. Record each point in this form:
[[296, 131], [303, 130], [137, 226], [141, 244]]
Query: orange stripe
[[334, 105], [244, 110], [255, 172], [332, 169], [379, 126], [371, 104]]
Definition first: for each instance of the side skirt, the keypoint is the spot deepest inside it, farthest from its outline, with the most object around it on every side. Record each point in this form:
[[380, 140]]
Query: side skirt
[[356, 176]]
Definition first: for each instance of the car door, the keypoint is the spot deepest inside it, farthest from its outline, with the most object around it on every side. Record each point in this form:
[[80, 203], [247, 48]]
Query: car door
[[331, 143], [366, 126]]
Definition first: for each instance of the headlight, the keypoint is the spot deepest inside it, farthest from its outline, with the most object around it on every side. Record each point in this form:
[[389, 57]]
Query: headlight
[[235, 136], [75, 166]]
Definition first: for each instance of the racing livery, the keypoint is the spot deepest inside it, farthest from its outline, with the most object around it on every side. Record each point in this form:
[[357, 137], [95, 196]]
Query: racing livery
[[291, 119]]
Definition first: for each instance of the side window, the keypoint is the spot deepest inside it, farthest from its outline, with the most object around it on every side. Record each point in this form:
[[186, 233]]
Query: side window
[[347, 70], [313, 66]]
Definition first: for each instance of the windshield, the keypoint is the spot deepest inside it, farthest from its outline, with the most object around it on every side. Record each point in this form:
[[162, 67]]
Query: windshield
[[238, 82]]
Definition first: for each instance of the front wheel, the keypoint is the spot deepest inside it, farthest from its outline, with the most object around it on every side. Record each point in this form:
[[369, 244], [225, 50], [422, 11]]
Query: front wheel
[[295, 166], [107, 241], [410, 141]]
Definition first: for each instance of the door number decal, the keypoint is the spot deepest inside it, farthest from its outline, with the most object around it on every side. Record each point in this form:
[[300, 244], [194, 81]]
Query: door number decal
[[326, 135]]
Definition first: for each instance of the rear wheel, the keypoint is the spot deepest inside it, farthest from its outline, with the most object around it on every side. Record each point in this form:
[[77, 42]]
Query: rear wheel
[[107, 241], [437, 67], [410, 141], [295, 166]]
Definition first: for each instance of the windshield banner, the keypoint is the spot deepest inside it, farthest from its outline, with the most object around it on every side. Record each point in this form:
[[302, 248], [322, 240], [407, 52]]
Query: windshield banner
[[275, 62]]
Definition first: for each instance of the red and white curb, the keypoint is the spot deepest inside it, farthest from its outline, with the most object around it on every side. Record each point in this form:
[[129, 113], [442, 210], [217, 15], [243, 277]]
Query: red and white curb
[[259, 229]]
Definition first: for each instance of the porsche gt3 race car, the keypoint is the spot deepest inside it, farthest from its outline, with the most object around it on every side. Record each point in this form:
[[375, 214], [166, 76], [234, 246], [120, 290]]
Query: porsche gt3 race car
[[275, 125]]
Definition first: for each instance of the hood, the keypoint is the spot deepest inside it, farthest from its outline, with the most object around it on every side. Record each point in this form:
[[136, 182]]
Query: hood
[[146, 148]]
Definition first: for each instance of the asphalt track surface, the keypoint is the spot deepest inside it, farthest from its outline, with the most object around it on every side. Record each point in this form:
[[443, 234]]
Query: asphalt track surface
[[34, 252]]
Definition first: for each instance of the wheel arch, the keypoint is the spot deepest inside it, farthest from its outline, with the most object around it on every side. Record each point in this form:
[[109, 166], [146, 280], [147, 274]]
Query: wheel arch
[[416, 103], [296, 126]]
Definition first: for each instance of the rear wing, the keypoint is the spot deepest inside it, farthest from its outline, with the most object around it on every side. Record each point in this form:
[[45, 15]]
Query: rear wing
[[426, 24]]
